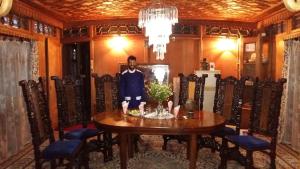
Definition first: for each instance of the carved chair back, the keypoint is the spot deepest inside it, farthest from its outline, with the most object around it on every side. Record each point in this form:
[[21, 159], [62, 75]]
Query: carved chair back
[[264, 118], [38, 115], [107, 92], [192, 87], [70, 103], [43, 85], [229, 98]]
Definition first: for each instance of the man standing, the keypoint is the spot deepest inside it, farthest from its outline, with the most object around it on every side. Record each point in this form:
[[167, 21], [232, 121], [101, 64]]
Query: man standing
[[132, 84]]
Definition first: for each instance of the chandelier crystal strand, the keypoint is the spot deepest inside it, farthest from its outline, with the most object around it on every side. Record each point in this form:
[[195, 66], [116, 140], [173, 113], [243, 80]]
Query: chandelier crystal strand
[[158, 20]]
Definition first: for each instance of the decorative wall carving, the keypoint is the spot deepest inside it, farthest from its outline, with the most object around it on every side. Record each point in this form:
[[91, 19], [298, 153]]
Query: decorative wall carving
[[228, 31], [179, 29], [15, 21], [275, 18], [276, 28], [23, 9], [76, 32], [105, 29], [296, 21], [43, 28], [186, 29]]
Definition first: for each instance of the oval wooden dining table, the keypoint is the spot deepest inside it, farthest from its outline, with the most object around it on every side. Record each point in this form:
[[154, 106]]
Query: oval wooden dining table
[[126, 125]]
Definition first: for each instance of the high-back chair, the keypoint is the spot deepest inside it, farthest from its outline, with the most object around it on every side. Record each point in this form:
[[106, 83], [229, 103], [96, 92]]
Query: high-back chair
[[72, 117], [107, 99], [107, 92], [73, 120], [264, 121], [228, 103], [228, 100], [191, 89], [41, 130]]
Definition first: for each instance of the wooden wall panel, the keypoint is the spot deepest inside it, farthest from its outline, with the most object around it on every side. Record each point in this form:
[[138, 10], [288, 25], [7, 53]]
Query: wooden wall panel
[[55, 69], [107, 59], [42, 57], [182, 56], [279, 57], [226, 61]]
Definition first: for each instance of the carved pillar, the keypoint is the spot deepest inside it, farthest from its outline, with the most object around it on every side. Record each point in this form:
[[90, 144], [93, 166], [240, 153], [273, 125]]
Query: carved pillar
[[258, 62]]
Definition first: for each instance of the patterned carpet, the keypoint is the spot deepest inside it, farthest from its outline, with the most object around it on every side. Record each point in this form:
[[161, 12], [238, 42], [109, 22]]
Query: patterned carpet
[[152, 157]]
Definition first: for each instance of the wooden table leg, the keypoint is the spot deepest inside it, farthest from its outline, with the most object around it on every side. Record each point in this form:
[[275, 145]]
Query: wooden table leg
[[130, 145], [193, 151], [188, 149], [110, 144], [123, 150]]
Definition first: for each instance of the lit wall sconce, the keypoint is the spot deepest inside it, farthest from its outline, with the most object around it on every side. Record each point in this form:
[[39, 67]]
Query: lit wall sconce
[[226, 44], [118, 43]]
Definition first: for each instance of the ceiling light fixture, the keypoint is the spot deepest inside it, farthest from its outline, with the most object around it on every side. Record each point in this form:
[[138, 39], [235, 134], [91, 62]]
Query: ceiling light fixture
[[5, 6], [292, 5], [158, 20]]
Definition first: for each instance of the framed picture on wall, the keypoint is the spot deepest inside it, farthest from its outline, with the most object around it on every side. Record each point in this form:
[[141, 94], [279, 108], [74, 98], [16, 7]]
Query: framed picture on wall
[[250, 47]]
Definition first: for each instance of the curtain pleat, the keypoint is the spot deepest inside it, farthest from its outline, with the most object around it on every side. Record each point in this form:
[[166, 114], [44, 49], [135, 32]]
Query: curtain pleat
[[18, 61], [289, 131]]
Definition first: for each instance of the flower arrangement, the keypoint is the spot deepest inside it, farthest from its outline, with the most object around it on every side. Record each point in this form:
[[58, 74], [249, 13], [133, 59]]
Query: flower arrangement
[[159, 92]]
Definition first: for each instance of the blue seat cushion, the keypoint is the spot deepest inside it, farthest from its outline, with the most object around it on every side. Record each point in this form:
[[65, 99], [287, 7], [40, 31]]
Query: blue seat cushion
[[61, 149], [81, 134], [223, 132], [248, 142]]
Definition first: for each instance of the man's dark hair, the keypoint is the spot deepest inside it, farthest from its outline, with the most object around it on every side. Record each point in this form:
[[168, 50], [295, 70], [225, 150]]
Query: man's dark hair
[[131, 57]]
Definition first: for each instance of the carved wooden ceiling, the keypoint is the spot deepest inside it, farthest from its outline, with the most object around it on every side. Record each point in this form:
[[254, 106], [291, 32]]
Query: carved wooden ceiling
[[82, 10]]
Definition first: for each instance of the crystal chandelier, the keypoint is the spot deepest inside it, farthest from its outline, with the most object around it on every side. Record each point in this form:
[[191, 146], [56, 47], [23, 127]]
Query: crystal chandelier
[[158, 19]]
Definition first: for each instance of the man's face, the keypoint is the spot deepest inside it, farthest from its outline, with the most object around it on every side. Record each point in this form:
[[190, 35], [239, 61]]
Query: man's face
[[132, 64]]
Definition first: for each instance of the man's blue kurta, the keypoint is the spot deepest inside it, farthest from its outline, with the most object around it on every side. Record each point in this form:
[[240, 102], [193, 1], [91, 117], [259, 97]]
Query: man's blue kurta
[[132, 88]]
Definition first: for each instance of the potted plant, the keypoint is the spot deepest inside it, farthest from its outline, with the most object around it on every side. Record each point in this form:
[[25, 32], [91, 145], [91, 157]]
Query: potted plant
[[159, 92]]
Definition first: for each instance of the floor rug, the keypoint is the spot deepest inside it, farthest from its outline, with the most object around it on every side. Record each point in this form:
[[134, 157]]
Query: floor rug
[[151, 156]]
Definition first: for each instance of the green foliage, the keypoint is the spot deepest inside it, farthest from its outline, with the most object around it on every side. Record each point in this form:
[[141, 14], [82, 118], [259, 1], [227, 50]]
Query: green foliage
[[159, 92]]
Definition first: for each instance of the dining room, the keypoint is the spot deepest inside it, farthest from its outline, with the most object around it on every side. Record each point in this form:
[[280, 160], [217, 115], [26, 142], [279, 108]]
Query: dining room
[[152, 84]]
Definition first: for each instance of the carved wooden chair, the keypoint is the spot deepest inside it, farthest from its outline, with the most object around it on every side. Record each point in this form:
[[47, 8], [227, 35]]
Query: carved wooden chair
[[191, 89], [264, 121], [227, 102], [107, 99], [41, 131], [107, 92], [73, 120]]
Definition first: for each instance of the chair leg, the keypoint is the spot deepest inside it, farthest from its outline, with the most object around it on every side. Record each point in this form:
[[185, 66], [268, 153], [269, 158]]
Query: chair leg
[[249, 160], [273, 160], [135, 143], [73, 165], [188, 146], [213, 150], [179, 139], [84, 159], [223, 154], [38, 165], [166, 139], [53, 164], [107, 152]]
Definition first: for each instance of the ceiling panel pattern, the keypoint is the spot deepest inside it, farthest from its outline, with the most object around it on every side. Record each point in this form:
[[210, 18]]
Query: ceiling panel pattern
[[79, 10]]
